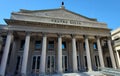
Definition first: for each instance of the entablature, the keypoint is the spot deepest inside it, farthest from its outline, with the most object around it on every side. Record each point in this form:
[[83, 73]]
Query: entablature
[[67, 22]]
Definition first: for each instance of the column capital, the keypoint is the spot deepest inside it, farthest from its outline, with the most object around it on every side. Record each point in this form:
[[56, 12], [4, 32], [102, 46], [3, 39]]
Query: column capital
[[109, 38], [97, 36], [44, 34], [1, 40], [10, 32], [85, 36], [28, 33], [59, 35], [0, 33], [73, 35]]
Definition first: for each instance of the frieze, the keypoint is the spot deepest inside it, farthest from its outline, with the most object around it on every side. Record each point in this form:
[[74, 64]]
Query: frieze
[[100, 32]]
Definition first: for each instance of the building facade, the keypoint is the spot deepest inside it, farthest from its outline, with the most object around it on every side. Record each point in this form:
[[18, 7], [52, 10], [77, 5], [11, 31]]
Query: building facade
[[53, 41], [116, 41]]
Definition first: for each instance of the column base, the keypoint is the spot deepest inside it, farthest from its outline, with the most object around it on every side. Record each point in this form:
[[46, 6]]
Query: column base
[[75, 71], [90, 70], [22, 74], [42, 74], [60, 74]]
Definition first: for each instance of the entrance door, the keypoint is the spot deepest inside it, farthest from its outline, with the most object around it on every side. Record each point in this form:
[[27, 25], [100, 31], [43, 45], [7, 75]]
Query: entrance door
[[35, 64], [109, 63], [50, 64], [18, 65], [97, 62], [65, 63], [78, 63]]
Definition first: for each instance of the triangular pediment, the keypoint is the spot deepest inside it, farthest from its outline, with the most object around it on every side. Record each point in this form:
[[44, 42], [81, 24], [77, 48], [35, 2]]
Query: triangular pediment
[[55, 13]]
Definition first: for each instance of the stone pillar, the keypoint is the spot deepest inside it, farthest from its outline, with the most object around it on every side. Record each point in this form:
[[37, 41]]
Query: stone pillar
[[81, 48], [1, 40], [25, 55], [88, 54], [118, 58], [111, 53], [5, 54], [74, 56], [12, 58], [59, 54], [43, 54], [100, 53]]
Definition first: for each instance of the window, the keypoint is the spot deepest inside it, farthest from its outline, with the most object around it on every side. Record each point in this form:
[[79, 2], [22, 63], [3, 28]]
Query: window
[[95, 45], [105, 43], [63, 45], [38, 62], [34, 60], [84, 46], [85, 62], [35, 64], [38, 45], [22, 44], [51, 45]]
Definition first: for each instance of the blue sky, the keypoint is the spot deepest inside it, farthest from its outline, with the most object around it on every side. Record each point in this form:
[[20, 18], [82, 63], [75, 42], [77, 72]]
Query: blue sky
[[107, 11]]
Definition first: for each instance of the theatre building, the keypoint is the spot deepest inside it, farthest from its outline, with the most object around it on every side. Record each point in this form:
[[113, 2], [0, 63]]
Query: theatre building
[[53, 41]]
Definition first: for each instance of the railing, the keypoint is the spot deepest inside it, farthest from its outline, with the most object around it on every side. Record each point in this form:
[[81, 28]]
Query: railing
[[110, 71]]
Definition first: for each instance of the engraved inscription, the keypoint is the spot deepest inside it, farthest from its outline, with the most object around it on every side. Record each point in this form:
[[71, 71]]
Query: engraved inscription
[[65, 21]]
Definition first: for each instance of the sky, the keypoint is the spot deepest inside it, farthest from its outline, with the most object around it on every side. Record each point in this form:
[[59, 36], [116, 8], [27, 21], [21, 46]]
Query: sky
[[107, 11]]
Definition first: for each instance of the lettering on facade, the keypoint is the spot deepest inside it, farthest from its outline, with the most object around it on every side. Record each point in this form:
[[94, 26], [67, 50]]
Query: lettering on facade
[[59, 21], [65, 21]]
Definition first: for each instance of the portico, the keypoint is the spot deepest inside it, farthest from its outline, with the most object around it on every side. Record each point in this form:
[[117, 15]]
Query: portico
[[55, 44]]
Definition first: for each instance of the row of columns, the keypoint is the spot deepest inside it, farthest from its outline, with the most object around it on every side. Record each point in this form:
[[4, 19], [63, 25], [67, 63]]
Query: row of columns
[[43, 54]]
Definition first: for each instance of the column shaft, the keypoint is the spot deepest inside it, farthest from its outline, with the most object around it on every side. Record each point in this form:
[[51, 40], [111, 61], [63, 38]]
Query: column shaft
[[1, 42], [12, 58], [100, 53], [88, 54], [118, 58], [25, 55], [5, 54], [111, 53], [43, 55], [75, 69], [59, 54]]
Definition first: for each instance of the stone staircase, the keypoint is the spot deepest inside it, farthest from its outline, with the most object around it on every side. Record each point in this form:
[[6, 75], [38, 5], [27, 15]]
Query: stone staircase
[[93, 73], [110, 71]]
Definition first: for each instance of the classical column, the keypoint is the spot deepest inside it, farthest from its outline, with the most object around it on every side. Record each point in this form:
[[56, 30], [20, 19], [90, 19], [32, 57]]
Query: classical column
[[118, 58], [74, 56], [88, 54], [59, 53], [100, 53], [5, 54], [25, 55], [111, 53], [1, 40], [13, 58], [43, 54]]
